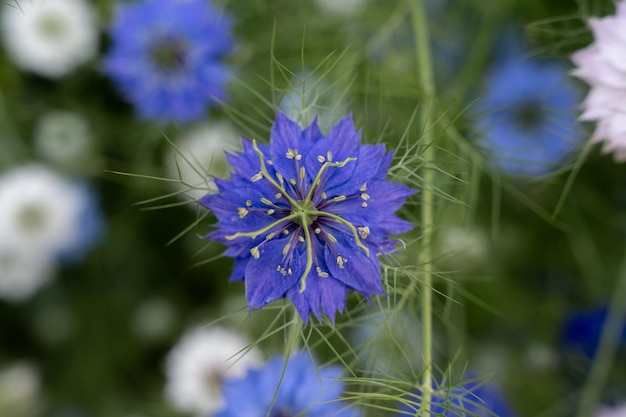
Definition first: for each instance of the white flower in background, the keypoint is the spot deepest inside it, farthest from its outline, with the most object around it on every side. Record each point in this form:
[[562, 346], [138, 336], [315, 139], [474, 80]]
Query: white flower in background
[[603, 66], [22, 275], [203, 151], [43, 215], [619, 411], [310, 96], [463, 247], [197, 365], [50, 37], [342, 7], [63, 137], [20, 389]]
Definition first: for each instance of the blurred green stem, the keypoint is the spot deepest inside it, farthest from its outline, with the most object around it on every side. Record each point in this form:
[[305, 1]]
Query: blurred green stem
[[424, 64], [292, 335], [607, 349]]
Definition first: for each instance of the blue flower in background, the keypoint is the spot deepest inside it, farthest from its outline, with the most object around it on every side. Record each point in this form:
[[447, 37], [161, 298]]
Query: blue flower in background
[[305, 390], [528, 111], [582, 332], [305, 216], [167, 57], [470, 399]]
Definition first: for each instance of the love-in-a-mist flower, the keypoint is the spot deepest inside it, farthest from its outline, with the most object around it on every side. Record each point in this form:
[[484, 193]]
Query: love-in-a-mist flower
[[50, 37], [603, 67], [469, 399], [167, 57], [306, 216], [299, 389], [582, 332], [45, 215], [528, 116], [198, 365]]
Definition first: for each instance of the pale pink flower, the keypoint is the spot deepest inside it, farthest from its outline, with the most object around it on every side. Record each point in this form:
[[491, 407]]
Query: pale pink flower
[[603, 66]]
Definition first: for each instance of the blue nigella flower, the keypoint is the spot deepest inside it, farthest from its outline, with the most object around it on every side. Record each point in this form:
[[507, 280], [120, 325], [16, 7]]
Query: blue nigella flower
[[167, 57], [470, 399], [304, 391], [529, 122], [305, 216], [582, 332]]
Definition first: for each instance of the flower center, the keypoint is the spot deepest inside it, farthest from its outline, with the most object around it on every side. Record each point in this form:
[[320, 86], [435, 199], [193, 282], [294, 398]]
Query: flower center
[[31, 218], [303, 211], [169, 54], [528, 115], [51, 26]]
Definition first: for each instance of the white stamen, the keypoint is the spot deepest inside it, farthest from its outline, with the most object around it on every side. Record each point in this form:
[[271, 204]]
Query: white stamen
[[365, 196], [271, 211], [363, 187], [248, 203], [364, 204], [341, 261], [257, 177], [339, 198], [317, 230], [364, 232], [321, 158], [255, 252], [301, 239]]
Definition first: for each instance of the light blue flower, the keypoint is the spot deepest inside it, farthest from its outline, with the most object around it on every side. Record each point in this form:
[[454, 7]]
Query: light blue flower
[[304, 390], [528, 122], [167, 57]]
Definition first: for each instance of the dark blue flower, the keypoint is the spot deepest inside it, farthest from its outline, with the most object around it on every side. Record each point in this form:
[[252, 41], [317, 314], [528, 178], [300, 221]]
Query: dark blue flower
[[167, 57], [473, 398], [305, 390], [529, 123], [582, 332], [305, 216]]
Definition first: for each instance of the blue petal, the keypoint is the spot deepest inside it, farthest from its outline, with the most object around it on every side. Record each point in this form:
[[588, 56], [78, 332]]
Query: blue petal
[[342, 142], [360, 272], [264, 283], [322, 295], [286, 134]]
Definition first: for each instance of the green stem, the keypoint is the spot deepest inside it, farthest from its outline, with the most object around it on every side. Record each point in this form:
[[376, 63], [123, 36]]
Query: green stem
[[607, 349], [423, 53]]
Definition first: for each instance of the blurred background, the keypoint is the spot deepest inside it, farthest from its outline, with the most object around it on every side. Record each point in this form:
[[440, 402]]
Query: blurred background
[[103, 265]]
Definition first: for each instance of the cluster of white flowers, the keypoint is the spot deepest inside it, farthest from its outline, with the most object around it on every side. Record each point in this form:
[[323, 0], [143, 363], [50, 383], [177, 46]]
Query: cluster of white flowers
[[50, 37], [41, 220], [603, 66], [202, 156], [198, 364]]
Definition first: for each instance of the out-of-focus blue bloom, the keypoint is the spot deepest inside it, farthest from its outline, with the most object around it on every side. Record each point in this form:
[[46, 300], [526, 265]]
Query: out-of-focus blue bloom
[[470, 399], [304, 391], [91, 227], [305, 216], [583, 329], [167, 57], [528, 111]]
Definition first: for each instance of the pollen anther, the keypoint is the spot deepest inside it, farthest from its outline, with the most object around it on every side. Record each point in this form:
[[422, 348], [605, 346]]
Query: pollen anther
[[364, 232], [365, 196], [301, 239], [317, 230], [321, 273], [242, 212], [257, 177], [255, 252], [341, 261], [363, 187], [248, 203], [321, 158], [364, 204], [339, 198], [271, 211]]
